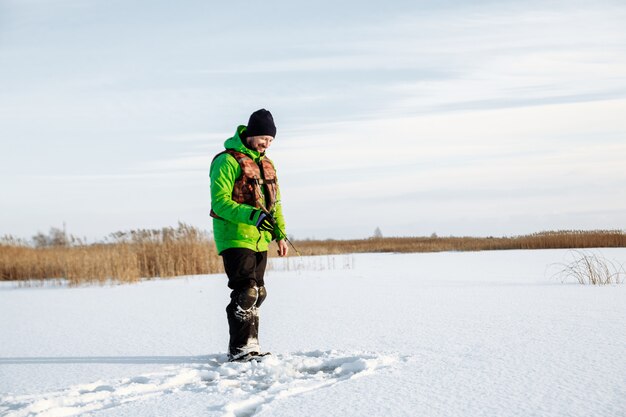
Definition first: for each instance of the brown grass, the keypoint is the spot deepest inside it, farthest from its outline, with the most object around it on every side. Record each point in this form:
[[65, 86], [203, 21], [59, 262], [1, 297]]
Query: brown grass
[[563, 239], [167, 252], [186, 250], [589, 268]]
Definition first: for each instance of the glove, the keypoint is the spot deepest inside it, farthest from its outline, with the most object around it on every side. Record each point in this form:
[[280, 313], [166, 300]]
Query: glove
[[265, 222]]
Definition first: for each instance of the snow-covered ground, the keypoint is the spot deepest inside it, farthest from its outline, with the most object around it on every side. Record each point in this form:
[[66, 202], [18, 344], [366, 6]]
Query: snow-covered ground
[[440, 334]]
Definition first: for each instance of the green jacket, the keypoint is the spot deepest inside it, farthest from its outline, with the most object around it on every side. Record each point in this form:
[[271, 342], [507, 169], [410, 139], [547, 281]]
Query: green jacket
[[236, 228]]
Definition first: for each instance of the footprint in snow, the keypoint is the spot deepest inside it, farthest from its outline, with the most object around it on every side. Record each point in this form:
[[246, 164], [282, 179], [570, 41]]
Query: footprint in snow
[[243, 389]]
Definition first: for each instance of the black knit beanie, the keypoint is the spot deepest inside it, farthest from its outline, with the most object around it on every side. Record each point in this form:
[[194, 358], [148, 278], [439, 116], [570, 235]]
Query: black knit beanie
[[261, 123]]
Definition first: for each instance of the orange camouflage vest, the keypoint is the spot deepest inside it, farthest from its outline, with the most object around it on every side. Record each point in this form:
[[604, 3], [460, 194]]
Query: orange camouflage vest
[[257, 183]]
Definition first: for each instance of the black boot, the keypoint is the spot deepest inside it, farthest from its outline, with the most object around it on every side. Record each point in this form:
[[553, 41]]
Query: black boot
[[243, 330]]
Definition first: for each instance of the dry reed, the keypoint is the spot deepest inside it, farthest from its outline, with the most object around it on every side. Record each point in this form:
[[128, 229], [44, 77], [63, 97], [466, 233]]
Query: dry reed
[[564, 239], [186, 250], [166, 252], [590, 268]]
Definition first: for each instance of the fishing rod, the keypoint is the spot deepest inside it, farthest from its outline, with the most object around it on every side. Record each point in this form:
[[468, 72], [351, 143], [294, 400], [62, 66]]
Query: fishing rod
[[267, 212], [278, 227]]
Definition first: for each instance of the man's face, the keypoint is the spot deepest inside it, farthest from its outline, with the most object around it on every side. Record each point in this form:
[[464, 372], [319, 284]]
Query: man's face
[[260, 143]]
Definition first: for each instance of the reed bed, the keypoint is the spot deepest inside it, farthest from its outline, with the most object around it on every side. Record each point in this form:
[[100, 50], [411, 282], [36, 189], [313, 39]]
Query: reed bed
[[563, 239], [126, 257], [186, 250]]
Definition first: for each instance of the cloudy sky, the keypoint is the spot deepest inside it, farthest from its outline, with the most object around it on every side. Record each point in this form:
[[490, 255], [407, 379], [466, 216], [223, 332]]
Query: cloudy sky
[[454, 117]]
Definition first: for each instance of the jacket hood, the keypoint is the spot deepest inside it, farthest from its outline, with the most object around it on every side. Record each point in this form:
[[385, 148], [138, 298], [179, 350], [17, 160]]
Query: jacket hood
[[236, 143]]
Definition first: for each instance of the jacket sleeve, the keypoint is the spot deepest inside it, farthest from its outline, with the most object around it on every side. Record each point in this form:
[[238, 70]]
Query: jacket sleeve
[[224, 172]]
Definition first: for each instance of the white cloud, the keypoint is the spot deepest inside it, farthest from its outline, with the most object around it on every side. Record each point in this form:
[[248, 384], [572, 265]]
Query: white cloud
[[478, 111], [564, 158]]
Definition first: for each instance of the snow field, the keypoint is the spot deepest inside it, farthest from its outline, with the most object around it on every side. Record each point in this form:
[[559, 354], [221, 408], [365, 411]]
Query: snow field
[[240, 389], [439, 334]]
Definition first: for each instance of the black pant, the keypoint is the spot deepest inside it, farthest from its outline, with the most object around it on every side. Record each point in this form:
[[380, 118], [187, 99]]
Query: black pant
[[245, 269]]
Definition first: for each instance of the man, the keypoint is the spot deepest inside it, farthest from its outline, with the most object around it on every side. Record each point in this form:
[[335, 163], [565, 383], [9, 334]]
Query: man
[[247, 216]]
